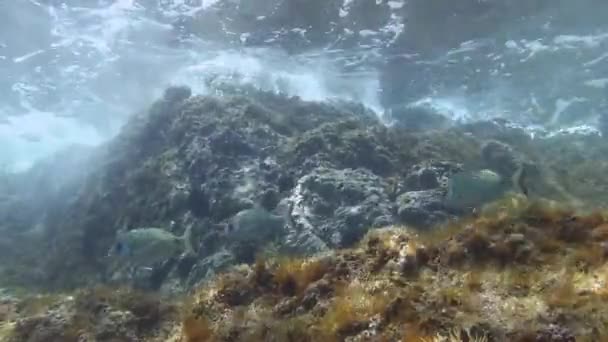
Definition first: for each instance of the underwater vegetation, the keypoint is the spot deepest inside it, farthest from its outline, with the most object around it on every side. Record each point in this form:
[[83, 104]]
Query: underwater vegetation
[[94, 314], [516, 271]]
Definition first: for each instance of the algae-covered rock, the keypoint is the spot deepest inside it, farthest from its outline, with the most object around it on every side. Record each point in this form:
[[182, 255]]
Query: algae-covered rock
[[518, 271], [337, 207], [429, 175], [211, 266], [98, 314], [420, 195], [417, 118], [497, 277], [423, 208], [328, 171], [346, 144], [500, 157], [197, 162]]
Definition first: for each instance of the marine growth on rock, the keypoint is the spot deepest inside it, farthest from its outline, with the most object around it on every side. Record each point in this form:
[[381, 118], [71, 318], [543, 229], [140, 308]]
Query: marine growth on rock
[[519, 271]]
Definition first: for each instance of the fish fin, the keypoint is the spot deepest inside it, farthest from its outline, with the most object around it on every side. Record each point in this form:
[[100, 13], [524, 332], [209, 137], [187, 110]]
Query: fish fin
[[187, 237], [518, 179]]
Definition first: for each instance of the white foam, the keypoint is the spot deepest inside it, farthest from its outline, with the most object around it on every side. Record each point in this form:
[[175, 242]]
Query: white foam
[[367, 33], [531, 48], [77, 82], [395, 4], [450, 106], [578, 130], [27, 56], [345, 9], [597, 83], [104, 57], [177, 8], [35, 135], [576, 41], [314, 79], [596, 60], [534, 48], [561, 105], [394, 26], [465, 47]]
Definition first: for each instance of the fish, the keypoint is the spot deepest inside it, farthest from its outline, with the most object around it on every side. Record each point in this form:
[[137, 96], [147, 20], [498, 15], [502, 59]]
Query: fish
[[255, 225], [468, 190], [146, 247]]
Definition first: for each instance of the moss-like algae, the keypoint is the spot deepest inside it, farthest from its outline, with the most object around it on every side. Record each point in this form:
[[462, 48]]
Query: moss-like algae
[[516, 271], [96, 313]]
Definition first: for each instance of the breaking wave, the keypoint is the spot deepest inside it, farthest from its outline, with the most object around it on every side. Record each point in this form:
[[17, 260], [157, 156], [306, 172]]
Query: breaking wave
[[83, 68]]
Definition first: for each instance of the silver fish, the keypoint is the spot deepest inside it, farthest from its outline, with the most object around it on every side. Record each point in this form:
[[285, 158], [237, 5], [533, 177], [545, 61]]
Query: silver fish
[[469, 190], [255, 224], [145, 247]]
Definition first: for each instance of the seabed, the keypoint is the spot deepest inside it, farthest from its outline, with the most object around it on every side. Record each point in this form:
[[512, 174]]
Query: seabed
[[516, 271]]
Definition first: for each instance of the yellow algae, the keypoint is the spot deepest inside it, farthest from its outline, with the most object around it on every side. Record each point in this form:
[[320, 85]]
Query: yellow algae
[[501, 276]]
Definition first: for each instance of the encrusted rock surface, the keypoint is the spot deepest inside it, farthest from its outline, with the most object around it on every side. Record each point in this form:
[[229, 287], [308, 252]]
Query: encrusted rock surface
[[336, 208], [519, 271], [330, 170]]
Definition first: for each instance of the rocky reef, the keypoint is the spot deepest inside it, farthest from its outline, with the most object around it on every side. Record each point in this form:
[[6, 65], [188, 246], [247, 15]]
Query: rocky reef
[[350, 237], [518, 271], [331, 170], [199, 161]]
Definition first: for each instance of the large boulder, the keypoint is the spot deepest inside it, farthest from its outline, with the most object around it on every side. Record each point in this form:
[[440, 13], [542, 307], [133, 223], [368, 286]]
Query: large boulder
[[334, 208], [199, 161], [420, 194], [318, 175]]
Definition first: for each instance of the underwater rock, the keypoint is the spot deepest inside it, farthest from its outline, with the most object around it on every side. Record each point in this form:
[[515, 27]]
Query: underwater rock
[[417, 118], [187, 155], [198, 161], [116, 325], [210, 266], [95, 314], [345, 144], [510, 275], [330, 169], [423, 208], [177, 94], [499, 130], [574, 168], [429, 175], [337, 207], [555, 333], [420, 196], [500, 157], [42, 328]]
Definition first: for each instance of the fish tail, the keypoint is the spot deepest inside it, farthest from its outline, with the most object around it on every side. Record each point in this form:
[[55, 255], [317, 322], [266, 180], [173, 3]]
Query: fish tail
[[187, 237], [519, 178]]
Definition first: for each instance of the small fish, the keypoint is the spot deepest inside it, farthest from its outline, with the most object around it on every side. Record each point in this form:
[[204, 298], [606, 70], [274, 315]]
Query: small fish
[[468, 190], [145, 247], [255, 224]]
